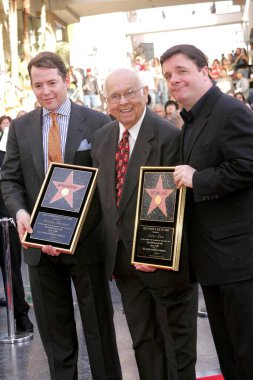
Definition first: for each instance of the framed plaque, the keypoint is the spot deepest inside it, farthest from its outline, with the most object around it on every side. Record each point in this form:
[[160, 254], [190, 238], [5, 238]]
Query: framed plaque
[[159, 219], [62, 205]]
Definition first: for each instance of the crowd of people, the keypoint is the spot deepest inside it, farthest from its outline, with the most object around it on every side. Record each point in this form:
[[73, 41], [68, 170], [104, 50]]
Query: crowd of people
[[175, 113]]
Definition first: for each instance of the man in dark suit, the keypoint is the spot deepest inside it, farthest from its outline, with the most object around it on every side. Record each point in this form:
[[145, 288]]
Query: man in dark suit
[[217, 152], [52, 272], [160, 305]]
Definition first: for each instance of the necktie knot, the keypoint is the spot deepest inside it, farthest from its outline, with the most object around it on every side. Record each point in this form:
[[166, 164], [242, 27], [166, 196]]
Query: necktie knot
[[53, 116], [125, 134]]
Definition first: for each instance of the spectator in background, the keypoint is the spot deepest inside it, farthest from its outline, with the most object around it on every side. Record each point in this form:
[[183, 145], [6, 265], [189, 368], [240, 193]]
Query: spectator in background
[[139, 64], [37, 105], [225, 82], [226, 64], [158, 109], [242, 62], [240, 96], [4, 123], [161, 89], [72, 82], [21, 113], [215, 70], [242, 84], [172, 113], [91, 91], [147, 78]]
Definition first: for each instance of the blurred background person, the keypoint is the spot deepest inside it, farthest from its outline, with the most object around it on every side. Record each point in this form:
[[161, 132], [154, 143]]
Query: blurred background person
[[215, 70], [158, 109], [91, 91], [225, 82], [171, 108], [242, 62], [5, 122], [240, 96], [161, 89], [242, 84]]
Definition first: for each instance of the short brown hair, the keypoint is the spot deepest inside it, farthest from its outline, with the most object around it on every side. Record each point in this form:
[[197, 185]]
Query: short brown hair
[[49, 60], [190, 51]]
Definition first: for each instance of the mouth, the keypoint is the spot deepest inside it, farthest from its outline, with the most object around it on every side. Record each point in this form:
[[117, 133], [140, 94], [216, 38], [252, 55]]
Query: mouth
[[126, 110], [48, 100], [178, 89]]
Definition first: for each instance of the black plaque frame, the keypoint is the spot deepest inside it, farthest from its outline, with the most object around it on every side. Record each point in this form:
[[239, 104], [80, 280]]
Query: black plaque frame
[[159, 219], [61, 217]]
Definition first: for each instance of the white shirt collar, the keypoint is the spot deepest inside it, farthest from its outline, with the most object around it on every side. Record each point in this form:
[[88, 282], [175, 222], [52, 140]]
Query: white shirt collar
[[133, 131], [64, 109]]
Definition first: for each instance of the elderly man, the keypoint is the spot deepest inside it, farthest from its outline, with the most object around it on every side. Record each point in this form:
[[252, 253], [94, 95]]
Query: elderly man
[[216, 150], [160, 306]]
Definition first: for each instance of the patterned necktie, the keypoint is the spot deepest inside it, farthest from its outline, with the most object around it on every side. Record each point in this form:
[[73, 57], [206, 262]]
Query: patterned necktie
[[122, 158], [54, 141]]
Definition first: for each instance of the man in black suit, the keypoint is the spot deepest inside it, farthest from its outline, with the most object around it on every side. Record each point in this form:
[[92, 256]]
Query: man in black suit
[[217, 152], [160, 305], [52, 272]]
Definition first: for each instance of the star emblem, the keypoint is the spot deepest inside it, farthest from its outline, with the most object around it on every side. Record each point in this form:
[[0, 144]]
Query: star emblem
[[66, 190], [158, 196]]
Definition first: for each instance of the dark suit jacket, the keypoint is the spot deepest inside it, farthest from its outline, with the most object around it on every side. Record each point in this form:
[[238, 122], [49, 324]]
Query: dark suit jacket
[[22, 172], [219, 209], [157, 144]]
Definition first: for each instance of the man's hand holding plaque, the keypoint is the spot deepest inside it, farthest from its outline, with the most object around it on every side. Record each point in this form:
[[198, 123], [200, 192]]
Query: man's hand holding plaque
[[61, 208]]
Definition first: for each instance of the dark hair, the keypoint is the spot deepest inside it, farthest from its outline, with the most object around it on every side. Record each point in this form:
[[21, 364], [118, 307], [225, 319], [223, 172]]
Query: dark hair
[[190, 51], [241, 94], [49, 60], [169, 102], [2, 118]]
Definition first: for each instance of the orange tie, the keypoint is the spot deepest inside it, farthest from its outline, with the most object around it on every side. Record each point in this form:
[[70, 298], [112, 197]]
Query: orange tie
[[54, 141]]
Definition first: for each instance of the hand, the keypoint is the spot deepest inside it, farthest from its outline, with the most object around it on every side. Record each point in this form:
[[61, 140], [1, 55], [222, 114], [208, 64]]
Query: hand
[[183, 176], [50, 250], [144, 268], [23, 224]]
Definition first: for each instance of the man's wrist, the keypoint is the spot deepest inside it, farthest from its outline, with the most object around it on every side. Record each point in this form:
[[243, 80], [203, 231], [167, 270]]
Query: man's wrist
[[19, 212]]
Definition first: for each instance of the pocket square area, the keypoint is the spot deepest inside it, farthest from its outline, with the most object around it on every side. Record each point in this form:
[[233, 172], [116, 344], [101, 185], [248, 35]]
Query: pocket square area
[[85, 145]]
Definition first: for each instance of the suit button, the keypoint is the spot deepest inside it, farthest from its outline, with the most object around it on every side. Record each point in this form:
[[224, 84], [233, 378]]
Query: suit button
[[119, 222]]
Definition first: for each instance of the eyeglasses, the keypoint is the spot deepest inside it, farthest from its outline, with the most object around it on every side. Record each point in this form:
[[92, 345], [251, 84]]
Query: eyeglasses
[[128, 95]]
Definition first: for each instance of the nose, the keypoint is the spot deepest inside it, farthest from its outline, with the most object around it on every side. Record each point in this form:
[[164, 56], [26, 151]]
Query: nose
[[123, 100], [45, 89], [174, 78]]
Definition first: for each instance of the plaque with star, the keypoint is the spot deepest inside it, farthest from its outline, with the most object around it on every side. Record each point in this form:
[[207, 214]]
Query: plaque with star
[[61, 208], [159, 219]]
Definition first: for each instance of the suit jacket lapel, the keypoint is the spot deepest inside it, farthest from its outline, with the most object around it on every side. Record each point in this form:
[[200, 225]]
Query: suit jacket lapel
[[76, 132], [138, 158], [33, 134], [200, 123]]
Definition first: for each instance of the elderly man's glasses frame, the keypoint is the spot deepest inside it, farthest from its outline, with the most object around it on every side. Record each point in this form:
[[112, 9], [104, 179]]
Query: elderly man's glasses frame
[[115, 98]]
